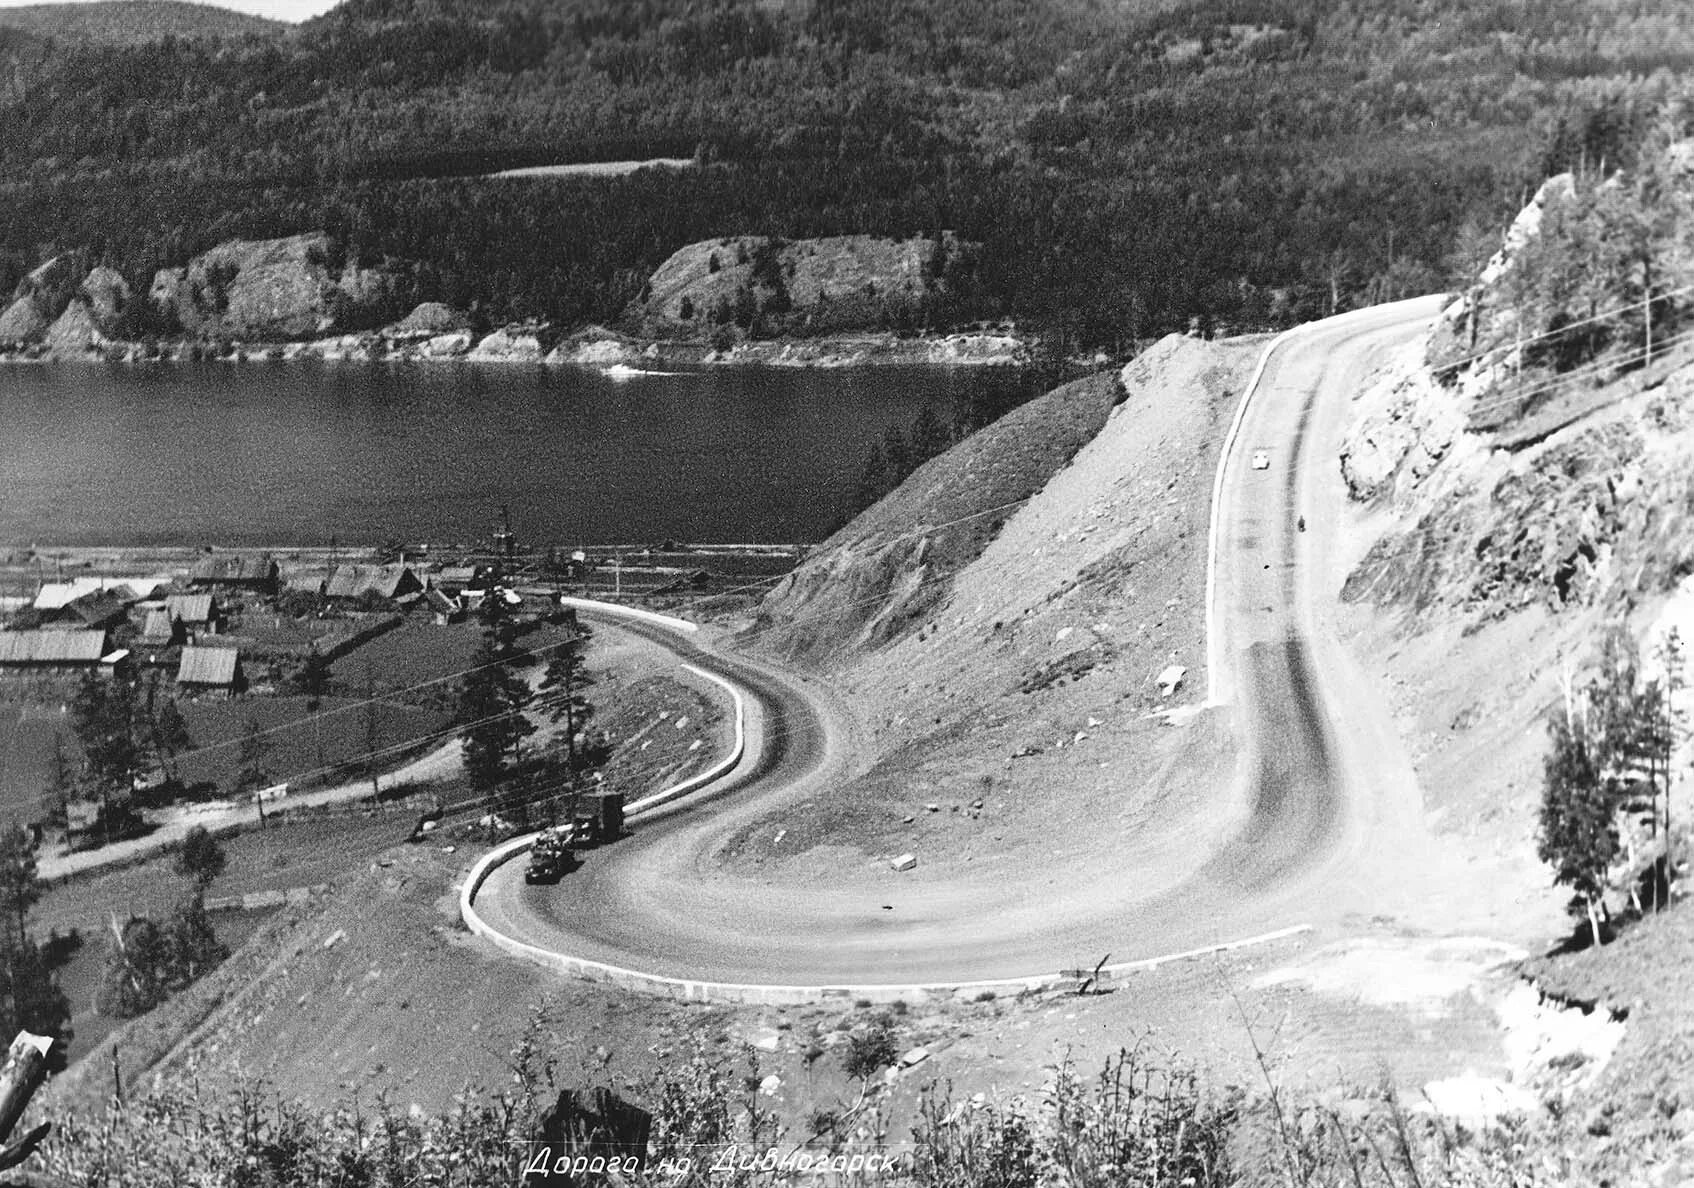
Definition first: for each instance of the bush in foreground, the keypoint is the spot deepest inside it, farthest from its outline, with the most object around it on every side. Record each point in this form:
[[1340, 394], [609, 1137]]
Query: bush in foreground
[[1137, 1124]]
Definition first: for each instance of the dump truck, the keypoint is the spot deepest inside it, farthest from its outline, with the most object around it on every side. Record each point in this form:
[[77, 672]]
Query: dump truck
[[598, 818]]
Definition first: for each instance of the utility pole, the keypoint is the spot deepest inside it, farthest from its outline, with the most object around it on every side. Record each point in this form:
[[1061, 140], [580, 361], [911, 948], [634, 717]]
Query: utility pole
[[1647, 306], [372, 733], [503, 539]]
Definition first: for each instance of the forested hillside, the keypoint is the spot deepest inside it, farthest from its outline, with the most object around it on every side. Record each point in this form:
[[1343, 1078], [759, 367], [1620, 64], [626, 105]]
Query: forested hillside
[[1128, 168]]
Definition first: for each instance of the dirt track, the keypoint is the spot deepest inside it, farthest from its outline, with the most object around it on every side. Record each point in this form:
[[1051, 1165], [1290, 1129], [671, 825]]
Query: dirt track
[[1322, 824]]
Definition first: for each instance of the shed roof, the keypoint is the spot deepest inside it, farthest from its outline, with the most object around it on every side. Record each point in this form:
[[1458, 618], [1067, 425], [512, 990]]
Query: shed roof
[[234, 569], [158, 625], [351, 581], [55, 595], [190, 608], [52, 647], [208, 666], [100, 609]]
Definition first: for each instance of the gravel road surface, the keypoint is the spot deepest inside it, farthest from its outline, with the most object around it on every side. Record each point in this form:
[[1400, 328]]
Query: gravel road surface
[[1321, 824]]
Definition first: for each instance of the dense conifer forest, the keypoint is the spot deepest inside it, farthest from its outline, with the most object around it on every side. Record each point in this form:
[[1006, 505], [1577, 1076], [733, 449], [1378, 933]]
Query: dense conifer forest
[[1128, 168]]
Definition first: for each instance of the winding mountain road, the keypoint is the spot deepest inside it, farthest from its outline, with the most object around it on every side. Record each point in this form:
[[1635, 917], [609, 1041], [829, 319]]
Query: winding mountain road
[[1322, 821]]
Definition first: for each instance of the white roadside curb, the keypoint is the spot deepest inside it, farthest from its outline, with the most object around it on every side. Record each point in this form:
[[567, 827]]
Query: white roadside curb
[[737, 747], [631, 612], [699, 990]]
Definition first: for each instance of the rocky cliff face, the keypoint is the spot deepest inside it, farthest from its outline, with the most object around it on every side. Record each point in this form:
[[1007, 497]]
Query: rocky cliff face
[[271, 290], [107, 297], [1486, 317], [41, 297], [513, 344], [92, 318], [1538, 452], [1596, 510], [74, 333], [812, 285], [427, 320]]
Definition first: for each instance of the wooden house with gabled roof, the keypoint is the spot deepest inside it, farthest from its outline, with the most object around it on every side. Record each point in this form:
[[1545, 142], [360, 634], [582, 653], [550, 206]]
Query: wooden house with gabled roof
[[211, 670], [235, 572], [51, 651]]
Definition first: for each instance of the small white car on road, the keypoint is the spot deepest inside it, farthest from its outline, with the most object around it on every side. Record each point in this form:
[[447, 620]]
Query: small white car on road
[[1261, 459]]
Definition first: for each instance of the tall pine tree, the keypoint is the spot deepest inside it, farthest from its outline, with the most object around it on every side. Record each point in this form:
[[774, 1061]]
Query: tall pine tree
[[490, 714], [563, 684], [1578, 829]]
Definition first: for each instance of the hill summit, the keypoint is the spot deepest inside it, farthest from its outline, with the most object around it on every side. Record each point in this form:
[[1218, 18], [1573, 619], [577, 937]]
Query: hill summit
[[132, 22]]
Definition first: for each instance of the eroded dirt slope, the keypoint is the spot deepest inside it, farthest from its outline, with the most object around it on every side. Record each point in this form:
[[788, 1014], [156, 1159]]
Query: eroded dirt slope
[[1006, 658]]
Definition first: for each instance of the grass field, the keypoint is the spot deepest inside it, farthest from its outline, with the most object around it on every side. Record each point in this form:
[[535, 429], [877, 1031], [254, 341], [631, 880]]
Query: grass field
[[302, 744], [408, 655], [26, 756], [419, 652]]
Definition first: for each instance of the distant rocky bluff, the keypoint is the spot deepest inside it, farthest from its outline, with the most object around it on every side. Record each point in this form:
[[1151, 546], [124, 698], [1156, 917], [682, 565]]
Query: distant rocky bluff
[[270, 290], [821, 302]]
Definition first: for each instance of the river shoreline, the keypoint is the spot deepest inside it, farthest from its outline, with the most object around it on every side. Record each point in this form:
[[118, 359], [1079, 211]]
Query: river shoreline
[[587, 453], [539, 346]]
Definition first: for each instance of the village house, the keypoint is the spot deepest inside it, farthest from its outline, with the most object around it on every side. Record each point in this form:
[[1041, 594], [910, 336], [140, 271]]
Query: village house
[[159, 630], [211, 670], [446, 609], [196, 613], [51, 651], [455, 579], [55, 596], [235, 573], [102, 610], [394, 582]]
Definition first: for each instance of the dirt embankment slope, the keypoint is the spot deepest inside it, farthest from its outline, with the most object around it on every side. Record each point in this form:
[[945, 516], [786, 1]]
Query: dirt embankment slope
[[375, 987], [1001, 620]]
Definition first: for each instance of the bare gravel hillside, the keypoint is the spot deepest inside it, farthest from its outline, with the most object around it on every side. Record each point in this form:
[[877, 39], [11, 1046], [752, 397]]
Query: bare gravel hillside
[[1001, 619]]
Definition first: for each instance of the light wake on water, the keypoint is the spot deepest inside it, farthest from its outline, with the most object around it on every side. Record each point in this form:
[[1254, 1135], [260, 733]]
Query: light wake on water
[[623, 371]]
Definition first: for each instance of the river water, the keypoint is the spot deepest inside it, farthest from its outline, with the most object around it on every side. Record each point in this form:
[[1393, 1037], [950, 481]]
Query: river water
[[293, 453]]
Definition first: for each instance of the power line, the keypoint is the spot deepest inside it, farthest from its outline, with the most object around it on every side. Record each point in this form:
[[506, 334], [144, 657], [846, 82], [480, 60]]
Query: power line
[[390, 695], [1587, 370], [1603, 315]]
